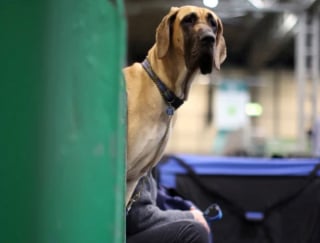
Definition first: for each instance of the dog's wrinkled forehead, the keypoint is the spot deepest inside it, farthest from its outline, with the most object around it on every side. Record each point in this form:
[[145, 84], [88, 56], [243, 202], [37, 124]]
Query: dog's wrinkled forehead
[[201, 13]]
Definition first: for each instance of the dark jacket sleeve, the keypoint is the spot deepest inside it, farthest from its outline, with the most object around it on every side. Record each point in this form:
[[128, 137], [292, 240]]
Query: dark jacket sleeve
[[145, 213]]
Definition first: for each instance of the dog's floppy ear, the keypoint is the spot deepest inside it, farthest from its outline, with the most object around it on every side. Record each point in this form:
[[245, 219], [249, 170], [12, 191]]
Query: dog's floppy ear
[[163, 33], [220, 50]]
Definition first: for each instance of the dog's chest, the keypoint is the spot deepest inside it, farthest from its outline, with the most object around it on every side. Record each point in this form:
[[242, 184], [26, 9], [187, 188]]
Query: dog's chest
[[149, 145], [154, 137]]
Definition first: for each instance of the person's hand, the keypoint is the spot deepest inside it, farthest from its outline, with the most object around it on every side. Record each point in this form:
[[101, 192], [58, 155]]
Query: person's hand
[[198, 216]]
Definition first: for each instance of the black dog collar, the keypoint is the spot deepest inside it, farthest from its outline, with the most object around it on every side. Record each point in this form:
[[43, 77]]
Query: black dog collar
[[169, 97]]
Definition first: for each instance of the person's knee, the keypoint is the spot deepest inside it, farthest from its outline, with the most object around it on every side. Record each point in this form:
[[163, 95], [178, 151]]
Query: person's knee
[[194, 232]]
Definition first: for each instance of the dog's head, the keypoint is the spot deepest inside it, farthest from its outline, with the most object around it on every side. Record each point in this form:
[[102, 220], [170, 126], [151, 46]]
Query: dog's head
[[195, 33]]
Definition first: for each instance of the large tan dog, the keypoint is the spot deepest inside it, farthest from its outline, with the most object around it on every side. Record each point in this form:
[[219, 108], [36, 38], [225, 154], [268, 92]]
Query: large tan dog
[[189, 39]]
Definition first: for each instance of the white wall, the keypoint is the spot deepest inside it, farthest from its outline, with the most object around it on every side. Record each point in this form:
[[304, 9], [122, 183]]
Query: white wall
[[275, 90]]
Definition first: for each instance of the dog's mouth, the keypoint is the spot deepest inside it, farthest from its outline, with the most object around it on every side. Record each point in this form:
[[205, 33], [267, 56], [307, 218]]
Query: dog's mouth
[[206, 59]]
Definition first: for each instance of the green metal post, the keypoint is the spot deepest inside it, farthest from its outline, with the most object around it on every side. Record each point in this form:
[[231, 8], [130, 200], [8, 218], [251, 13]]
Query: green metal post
[[62, 128]]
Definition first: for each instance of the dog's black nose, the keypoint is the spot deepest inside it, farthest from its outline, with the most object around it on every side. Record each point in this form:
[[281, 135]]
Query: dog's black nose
[[207, 37]]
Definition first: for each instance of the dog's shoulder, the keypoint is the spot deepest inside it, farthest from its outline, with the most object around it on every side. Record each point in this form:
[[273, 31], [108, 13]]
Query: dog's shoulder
[[133, 71], [137, 80]]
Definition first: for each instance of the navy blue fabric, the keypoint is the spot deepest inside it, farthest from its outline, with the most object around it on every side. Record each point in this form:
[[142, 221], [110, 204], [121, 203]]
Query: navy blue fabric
[[165, 200]]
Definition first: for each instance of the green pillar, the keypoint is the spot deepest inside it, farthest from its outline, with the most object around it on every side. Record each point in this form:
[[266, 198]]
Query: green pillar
[[62, 127]]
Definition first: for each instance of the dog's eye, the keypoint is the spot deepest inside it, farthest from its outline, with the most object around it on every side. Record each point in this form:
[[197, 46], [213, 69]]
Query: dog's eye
[[190, 19], [211, 21]]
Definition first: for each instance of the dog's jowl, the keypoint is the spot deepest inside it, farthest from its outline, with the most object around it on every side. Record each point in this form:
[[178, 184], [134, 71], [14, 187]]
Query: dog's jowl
[[189, 41]]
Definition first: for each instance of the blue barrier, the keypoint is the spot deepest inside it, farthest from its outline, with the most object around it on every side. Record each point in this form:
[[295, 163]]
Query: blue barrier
[[236, 166]]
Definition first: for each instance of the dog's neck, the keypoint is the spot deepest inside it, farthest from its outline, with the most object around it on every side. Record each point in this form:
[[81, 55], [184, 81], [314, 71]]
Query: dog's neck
[[172, 71]]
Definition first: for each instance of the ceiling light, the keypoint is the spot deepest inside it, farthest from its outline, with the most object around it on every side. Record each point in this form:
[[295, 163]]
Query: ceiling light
[[211, 3], [261, 3], [290, 21], [257, 3]]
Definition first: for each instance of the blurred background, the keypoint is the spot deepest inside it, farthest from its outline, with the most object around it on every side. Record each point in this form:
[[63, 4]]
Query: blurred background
[[63, 123], [264, 101]]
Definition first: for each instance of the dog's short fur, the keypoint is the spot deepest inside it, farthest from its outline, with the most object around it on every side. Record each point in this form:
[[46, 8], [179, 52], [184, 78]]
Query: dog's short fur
[[189, 39]]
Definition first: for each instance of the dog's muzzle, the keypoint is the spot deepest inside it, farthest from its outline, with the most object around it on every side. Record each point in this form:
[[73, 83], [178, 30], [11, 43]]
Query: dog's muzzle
[[207, 40]]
